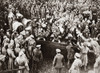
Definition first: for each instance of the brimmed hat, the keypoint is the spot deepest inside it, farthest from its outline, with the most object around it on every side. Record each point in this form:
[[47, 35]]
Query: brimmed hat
[[58, 50], [77, 55], [38, 45]]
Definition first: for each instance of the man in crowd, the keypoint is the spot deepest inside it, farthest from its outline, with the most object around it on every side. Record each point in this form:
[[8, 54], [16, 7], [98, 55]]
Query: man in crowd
[[37, 58], [58, 62], [59, 12], [22, 62], [75, 68]]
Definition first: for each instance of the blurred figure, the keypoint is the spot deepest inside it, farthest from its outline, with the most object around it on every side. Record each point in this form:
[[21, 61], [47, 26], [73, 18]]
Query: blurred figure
[[30, 45], [75, 68], [58, 62], [93, 29], [6, 40], [86, 32], [11, 17], [37, 58], [22, 62], [2, 62], [4, 49], [17, 49], [11, 55], [56, 39], [70, 54], [84, 51], [19, 16], [8, 33], [97, 65]]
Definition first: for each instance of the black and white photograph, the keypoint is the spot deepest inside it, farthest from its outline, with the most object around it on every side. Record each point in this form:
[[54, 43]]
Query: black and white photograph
[[49, 36]]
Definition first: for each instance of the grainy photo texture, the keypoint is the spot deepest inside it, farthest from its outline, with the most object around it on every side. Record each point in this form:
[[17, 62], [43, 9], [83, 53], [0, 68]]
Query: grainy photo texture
[[49, 36]]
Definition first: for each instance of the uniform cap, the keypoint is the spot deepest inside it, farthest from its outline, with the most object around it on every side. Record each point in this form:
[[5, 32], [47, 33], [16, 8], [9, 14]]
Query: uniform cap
[[77, 55], [38, 45], [58, 50]]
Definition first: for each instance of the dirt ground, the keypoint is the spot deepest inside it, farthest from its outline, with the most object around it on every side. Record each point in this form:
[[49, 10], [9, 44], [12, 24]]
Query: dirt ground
[[46, 67]]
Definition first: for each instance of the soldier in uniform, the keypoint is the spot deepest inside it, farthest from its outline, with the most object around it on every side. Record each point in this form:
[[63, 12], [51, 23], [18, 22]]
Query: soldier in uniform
[[58, 61], [37, 57]]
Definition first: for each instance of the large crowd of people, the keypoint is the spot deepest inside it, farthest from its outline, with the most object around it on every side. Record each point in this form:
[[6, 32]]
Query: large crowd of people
[[75, 23]]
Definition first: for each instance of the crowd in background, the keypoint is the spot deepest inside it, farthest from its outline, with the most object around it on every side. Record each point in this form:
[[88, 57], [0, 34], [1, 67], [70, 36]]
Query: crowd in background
[[28, 21], [58, 19]]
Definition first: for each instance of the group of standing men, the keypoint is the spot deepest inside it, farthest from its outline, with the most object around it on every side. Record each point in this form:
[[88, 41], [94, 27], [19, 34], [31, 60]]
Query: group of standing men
[[60, 19]]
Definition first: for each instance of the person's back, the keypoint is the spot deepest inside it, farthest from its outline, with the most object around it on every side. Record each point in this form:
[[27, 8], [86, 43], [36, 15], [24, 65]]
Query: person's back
[[59, 61]]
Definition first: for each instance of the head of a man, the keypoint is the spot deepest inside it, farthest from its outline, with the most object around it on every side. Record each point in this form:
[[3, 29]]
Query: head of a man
[[38, 46], [58, 51], [77, 55]]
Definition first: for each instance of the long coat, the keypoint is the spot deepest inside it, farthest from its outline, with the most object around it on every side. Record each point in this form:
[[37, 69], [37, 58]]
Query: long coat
[[58, 61]]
